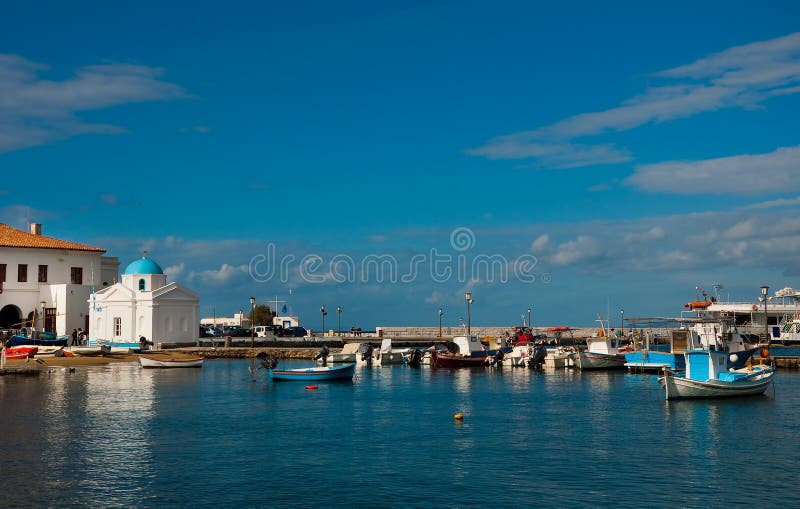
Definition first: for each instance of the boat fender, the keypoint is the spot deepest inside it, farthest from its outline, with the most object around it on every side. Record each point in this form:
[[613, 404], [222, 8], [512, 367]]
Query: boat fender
[[459, 416], [312, 387], [765, 353], [755, 308]]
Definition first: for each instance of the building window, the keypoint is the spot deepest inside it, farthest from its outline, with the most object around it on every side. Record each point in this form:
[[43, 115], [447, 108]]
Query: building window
[[117, 326], [76, 275], [141, 285], [42, 273], [22, 273], [2, 272]]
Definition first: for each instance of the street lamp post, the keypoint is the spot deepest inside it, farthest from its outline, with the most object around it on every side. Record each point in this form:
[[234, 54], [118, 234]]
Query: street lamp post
[[339, 324], [764, 292], [622, 321], [252, 323], [468, 297], [440, 321], [323, 313], [529, 316], [43, 304]]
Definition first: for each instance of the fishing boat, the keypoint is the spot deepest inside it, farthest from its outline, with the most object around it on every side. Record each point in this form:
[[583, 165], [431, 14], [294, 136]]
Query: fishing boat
[[707, 377], [348, 354], [91, 351], [21, 352], [170, 360], [462, 352], [602, 351], [46, 339], [314, 374]]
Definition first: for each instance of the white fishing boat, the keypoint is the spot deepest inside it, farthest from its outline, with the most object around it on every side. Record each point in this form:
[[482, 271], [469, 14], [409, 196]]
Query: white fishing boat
[[602, 351], [776, 316], [170, 360], [706, 376], [90, 351], [347, 355], [367, 355]]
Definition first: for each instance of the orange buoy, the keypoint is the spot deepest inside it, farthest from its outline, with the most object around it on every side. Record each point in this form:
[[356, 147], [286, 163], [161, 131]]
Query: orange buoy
[[311, 387], [459, 416]]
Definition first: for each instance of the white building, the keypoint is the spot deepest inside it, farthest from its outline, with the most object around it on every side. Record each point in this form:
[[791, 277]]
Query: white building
[[238, 319], [144, 304], [45, 282]]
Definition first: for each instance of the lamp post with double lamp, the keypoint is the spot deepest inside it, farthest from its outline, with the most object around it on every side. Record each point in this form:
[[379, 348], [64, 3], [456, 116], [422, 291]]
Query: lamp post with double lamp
[[622, 321], [441, 312], [252, 324], [323, 313], [529, 316], [468, 297], [339, 324], [764, 292]]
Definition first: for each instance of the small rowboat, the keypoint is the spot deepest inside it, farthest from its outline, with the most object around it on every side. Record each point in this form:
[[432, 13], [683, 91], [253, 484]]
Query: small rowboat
[[21, 352], [319, 373], [166, 360]]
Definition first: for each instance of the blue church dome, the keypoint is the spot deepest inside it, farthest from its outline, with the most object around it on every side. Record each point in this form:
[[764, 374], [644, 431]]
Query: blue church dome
[[143, 266]]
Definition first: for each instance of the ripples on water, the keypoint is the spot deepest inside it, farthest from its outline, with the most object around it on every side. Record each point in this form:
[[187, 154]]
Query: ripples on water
[[119, 436]]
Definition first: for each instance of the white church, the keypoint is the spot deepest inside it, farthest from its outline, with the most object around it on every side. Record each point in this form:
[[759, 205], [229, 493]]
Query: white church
[[143, 304]]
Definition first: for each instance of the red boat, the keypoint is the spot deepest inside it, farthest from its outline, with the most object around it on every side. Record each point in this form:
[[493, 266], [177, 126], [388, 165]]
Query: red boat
[[21, 352], [447, 360]]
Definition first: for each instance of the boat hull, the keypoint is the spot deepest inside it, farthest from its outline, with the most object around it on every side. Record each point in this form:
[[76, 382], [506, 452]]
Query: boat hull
[[21, 352], [166, 361], [25, 341], [450, 361], [594, 360], [315, 374], [683, 388]]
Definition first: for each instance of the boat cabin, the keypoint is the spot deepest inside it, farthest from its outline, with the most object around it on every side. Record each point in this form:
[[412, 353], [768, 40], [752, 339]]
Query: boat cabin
[[703, 365], [468, 344]]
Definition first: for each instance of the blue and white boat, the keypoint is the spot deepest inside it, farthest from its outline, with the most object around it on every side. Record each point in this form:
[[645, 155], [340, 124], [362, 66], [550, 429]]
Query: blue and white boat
[[703, 334], [314, 374], [45, 339], [707, 376]]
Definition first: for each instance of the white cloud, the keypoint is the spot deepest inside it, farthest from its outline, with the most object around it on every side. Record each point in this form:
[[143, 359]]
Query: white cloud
[[225, 274], [743, 76], [434, 298], [580, 250], [541, 244], [36, 111], [654, 233], [782, 202], [173, 271], [743, 174], [741, 230]]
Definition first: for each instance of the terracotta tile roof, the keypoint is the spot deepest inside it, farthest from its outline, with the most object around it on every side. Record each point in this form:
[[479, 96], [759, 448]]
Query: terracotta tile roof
[[11, 237]]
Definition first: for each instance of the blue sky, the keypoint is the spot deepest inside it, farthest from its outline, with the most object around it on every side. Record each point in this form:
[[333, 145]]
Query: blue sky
[[625, 153]]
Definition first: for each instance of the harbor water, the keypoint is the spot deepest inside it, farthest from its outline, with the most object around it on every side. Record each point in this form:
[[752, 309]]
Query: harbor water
[[120, 436]]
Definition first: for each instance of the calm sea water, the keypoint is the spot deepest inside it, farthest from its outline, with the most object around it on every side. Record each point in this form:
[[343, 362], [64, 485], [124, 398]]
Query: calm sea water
[[119, 436]]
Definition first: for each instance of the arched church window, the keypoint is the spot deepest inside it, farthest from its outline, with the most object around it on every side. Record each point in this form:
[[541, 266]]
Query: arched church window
[[141, 285]]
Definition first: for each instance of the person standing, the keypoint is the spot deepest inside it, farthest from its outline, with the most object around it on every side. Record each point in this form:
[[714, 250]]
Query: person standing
[[74, 337]]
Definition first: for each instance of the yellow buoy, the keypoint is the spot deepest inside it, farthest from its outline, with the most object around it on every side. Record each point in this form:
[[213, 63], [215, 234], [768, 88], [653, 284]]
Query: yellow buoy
[[459, 416]]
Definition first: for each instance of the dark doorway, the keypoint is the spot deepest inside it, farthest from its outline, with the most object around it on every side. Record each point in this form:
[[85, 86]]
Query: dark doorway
[[50, 319], [10, 317]]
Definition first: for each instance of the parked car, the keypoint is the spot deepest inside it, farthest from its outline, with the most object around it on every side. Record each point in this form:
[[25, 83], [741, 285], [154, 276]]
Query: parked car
[[296, 332]]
